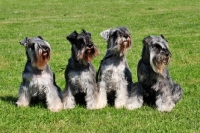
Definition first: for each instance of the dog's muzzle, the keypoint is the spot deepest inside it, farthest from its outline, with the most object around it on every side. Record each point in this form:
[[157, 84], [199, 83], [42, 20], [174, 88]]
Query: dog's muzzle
[[167, 58], [90, 46], [89, 49], [45, 50]]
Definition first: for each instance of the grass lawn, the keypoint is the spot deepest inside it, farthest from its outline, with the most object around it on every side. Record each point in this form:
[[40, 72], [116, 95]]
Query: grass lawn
[[178, 20]]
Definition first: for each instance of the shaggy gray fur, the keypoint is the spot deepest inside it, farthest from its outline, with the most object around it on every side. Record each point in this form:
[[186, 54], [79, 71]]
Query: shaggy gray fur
[[154, 82], [38, 80], [80, 74], [114, 72]]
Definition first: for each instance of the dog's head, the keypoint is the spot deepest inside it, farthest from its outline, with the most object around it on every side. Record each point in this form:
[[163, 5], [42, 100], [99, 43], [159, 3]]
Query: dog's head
[[83, 49], [156, 52], [118, 39], [37, 51]]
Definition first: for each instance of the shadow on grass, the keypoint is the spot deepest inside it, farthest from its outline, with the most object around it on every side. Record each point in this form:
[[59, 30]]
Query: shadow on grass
[[34, 101], [9, 99], [80, 101]]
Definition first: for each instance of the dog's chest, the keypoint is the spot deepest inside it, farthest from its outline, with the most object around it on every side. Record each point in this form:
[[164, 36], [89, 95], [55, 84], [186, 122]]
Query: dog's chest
[[113, 75], [80, 80], [38, 81]]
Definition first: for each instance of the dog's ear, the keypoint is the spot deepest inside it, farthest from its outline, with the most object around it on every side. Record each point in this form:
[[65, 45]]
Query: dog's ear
[[86, 33], [25, 42], [105, 34], [147, 40], [72, 37], [40, 37], [163, 37]]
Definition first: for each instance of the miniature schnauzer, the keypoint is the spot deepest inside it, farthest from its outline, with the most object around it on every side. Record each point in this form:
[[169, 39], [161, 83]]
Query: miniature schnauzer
[[80, 74], [38, 79], [114, 73], [154, 82]]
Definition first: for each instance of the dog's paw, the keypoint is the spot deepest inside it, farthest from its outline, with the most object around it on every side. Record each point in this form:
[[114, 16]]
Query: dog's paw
[[165, 107], [101, 103], [67, 106], [22, 104], [92, 108], [56, 108], [119, 105], [68, 102], [101, 106], [133, 105]]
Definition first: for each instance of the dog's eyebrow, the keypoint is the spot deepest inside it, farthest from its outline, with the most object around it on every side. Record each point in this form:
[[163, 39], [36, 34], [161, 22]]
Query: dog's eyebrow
[[162, 45]]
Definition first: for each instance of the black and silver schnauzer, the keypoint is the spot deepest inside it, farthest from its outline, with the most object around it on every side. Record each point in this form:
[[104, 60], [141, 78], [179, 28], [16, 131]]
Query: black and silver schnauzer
[[80, 74], [114, 73], [155, 85], [38, 79]]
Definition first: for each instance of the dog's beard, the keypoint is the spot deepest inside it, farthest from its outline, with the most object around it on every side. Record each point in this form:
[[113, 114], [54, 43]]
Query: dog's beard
[[122, 45], [158, 62], [87, 54], [41, 58]]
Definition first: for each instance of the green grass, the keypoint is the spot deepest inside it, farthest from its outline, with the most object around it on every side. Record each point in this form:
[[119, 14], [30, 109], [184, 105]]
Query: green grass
[[178, 20]]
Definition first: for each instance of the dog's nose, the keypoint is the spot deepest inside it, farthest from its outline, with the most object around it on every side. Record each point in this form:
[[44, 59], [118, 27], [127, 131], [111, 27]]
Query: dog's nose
[[45, 48], [90, 45], [167, 53]]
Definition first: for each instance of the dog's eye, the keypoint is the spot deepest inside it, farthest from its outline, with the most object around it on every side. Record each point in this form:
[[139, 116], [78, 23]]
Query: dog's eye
[[81, 41], [157, 46], [32, 46], [44, 47], [115, 34], [126, 36]]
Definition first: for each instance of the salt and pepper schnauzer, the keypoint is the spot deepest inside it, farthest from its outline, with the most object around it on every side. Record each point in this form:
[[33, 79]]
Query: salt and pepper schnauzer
[[115, 76], [38, 79], [80, 74], [154, 82]]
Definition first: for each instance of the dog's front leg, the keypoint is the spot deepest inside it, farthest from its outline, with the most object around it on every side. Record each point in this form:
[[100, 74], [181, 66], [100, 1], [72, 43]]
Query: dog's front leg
[[54, 102], [135, 99], [68, 99], [102, 96], [91, 97], [24, 97], [121, 95], [164, 101]]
